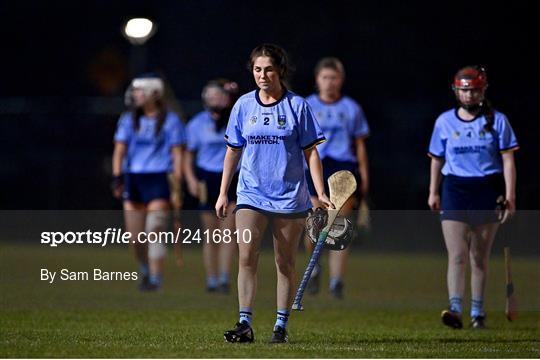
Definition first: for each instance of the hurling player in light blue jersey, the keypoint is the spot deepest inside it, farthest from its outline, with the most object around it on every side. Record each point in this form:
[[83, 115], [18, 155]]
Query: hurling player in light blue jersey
[[273, 131], [472, 151], [147, 146], [203, 167], [345, 127]]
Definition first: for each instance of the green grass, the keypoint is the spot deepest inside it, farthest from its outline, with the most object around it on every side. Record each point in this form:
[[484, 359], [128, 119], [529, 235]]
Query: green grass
[[391, 309]]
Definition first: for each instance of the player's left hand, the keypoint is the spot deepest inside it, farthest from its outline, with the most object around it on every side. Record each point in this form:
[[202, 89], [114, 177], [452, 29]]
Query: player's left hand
[[326, 201], [509, 210], [117, 186], [221, 206]]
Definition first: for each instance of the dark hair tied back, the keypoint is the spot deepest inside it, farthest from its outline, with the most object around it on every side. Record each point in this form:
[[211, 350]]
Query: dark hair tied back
[[489, 113], [138, 112]]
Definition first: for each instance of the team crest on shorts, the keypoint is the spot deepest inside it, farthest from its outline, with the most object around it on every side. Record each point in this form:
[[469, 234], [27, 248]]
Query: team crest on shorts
[[282, 120], [253, 120]]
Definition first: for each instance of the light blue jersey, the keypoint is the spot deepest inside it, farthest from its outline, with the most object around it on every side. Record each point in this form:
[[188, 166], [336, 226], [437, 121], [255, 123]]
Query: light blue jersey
[[146, 151], [468, 149], [273, 138], [204, 139], [342, 122]]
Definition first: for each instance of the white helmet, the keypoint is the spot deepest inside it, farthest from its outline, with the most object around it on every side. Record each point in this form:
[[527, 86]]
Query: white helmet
[[151, 84]]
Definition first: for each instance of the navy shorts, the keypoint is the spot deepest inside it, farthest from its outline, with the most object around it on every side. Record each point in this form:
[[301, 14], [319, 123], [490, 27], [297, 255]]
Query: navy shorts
[[472, 200], [146, 187], [213, 183], [331, 166]]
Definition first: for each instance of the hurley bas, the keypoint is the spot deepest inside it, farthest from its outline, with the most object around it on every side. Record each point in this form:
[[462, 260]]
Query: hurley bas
[[96, 275]]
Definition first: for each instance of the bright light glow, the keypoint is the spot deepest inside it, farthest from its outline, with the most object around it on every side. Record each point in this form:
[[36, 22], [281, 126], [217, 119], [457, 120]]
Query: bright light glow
[[138, 28]]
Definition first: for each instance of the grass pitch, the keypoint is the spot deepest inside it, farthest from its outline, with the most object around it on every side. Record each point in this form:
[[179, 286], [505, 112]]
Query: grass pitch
[[391, 309]]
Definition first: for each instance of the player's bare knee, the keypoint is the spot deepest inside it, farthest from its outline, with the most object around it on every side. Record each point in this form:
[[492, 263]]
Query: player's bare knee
[[157, 221], [248, 260], [285, 266], [157, 251], [247, 269], [478, 262], [458, 259]]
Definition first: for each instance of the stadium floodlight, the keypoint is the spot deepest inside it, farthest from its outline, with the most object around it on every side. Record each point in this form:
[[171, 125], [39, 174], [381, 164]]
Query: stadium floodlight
[[139, 30]]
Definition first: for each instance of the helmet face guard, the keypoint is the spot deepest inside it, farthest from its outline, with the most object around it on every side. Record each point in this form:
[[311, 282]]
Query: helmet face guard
[[470, 78], [225, 86]]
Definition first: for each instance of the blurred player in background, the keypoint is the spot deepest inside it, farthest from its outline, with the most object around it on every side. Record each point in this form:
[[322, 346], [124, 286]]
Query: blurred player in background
[[345, 127], [273, 130], [474, 146], [203, 167], [148, 146]]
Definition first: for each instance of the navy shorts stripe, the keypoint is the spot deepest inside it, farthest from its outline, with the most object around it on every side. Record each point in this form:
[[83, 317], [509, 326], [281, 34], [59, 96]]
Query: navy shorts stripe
[[297, 215]]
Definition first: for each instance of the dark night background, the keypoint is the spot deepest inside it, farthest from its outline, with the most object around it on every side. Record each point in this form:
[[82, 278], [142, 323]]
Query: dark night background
[[65, 66]]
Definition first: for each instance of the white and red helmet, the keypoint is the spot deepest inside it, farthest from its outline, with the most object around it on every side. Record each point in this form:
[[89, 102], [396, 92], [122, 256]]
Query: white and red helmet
[[470, 77]]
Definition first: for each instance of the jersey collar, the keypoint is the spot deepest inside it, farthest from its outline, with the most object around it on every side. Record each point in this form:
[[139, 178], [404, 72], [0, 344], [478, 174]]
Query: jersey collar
[[327, 102], [285, 91], [456, 112]]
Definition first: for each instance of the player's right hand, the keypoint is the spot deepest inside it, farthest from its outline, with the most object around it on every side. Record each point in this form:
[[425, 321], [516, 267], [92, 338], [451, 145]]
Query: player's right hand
[[434, 202], [221, 206], [326, 202]]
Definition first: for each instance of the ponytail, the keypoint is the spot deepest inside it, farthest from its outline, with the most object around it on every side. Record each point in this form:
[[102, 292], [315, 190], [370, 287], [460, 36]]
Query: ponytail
[[489, 113]]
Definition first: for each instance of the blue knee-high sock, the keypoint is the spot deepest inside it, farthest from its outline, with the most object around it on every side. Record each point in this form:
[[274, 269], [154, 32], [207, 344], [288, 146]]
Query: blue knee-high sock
[[245, 315], [477, 307], [223, 278], [334, 281], [156, 279], [144, 269], [455, 304], [211, 281]]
